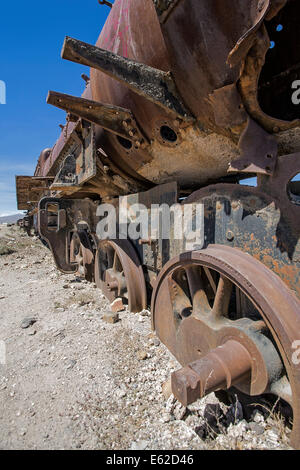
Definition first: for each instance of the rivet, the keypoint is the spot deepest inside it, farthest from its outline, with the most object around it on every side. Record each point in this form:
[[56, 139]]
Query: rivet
[[230, 235]]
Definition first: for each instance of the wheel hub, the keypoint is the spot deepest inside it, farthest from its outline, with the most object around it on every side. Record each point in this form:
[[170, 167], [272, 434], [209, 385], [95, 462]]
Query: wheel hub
[[229, 321], [118, 273], [81, 253]]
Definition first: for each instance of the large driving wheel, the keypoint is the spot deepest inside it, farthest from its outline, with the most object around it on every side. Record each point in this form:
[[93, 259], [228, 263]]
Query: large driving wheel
[[229, 321], [119, 273]]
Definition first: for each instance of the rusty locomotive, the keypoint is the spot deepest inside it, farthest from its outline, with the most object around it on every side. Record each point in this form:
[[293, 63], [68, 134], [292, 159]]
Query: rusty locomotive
[[185, 100]]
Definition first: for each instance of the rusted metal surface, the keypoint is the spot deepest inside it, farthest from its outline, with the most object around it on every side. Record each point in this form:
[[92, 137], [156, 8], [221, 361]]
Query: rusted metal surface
[[164, 8], [82, 254], [153, 84], [30, 189], [267, 76], [26, 224], [119, 273], [263, 220], [258, 149], [228, 107], [58, 219], [215, 371], [161, 71], [184, 300], [118, 120]]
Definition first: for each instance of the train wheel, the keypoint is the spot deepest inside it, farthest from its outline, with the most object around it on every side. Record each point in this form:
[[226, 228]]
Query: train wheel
[[118, 273], [81, 252], [229, 321]]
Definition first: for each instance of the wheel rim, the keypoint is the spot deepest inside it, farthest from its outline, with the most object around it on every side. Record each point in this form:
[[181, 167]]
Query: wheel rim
[[119, 274], [81, 253], [188, 316]]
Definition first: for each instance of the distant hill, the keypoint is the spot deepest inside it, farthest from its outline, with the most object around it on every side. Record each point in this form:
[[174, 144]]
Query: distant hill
[[10, 219]]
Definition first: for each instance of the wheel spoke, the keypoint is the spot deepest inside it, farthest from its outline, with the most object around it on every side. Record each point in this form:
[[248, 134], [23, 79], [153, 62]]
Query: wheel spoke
[[222, 298], [210, 278], [198, 295], [110, 257], [117, 265]]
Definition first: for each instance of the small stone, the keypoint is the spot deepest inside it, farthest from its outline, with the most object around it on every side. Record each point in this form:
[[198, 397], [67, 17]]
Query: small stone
[[272, 435], [256, 428], [139, 445], [166, 418], [170, 404], [71, 364], [179, 411], [258, 417], [31, 332], [91, 376], [111, 317], [142, 355], [145, 313], [117, 305], [167, 389], [27, 322], [237, 430]]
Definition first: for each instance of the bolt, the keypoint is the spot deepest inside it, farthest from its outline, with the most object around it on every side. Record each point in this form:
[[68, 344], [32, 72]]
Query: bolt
[[112, 285], [230, 235]]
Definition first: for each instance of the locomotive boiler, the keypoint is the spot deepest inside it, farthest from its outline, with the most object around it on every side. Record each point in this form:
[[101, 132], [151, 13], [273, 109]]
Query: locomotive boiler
[[185, 100]]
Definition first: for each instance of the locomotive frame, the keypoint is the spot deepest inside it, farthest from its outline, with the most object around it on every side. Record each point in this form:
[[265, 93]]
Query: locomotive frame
[[228, 306]]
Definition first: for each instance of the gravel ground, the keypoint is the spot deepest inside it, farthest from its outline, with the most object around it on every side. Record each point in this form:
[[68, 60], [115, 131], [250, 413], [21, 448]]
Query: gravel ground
[[73, 381]]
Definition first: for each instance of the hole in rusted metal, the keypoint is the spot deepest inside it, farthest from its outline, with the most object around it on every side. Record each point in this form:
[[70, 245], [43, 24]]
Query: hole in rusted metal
[[168, 134], [276, 87], [249, 182], [127, 144], [52, 216], [293, 189]]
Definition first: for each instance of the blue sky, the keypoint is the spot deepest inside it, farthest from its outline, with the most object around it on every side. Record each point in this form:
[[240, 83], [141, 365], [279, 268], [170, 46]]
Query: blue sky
[[31, 38]]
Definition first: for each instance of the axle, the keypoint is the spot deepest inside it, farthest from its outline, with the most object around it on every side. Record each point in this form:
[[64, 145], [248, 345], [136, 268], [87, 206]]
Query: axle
[[221, 368]]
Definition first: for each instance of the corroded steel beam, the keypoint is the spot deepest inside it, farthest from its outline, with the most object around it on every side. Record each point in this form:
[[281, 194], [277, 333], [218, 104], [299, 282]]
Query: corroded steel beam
[[118, 120], [151, 83]]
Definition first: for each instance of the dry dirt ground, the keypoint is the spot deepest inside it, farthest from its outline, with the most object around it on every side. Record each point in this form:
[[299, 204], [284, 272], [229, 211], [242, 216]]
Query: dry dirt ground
[[73, 381]]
